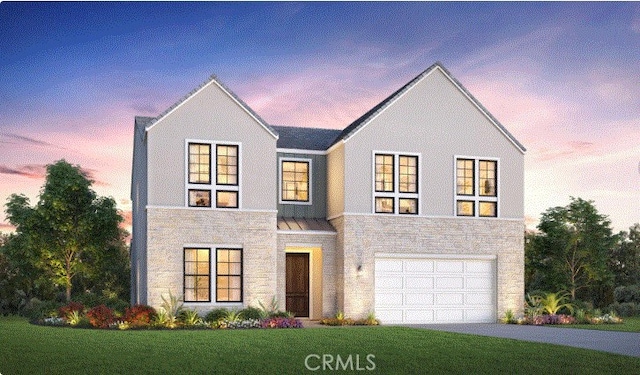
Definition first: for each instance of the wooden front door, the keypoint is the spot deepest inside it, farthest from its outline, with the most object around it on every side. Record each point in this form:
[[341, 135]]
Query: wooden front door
[[298, 284]]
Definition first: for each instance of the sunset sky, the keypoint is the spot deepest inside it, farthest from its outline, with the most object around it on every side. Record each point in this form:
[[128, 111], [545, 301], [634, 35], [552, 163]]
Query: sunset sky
[[564, 78]]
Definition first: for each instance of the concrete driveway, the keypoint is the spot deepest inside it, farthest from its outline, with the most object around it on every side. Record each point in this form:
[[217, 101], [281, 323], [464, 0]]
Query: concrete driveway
[[625, 343]]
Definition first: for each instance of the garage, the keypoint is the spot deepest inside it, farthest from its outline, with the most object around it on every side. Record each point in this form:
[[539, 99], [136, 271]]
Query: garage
[[435, 289]]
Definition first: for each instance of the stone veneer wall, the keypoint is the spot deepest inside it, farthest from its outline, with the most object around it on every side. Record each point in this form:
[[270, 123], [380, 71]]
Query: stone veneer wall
[[361, 236], [171, 229], [327, 241]]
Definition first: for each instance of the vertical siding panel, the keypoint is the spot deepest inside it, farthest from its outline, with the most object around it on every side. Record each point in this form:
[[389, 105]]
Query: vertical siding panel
[[318, 208]]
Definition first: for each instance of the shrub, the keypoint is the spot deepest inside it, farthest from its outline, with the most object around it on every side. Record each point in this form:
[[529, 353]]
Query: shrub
[[629, 293], [101, 316], [280, 314], [625, 308], [281, 323], [172, 306], [216, 314], [139, 315], [190, 318], [64, 311], [551, 303], [509, 317], [233, 316], [37, 310], [252, 313]]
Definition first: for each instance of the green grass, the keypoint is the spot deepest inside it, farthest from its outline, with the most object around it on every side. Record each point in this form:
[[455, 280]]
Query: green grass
[[29, 349], [631, 324]]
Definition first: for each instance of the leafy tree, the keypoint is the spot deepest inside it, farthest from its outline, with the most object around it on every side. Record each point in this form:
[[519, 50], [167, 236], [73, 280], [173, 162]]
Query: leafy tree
[[68, 228], [625, 257], [572, 250]]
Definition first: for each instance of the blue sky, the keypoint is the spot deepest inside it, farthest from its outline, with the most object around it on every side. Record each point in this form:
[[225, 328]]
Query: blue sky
[[564, 78]]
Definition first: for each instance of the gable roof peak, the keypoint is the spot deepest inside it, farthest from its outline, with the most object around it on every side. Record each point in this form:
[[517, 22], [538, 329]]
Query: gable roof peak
[[363, 120], [213, 79]]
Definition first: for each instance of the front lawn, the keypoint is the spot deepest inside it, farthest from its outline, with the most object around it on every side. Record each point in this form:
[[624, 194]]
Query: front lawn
[[30, 349]]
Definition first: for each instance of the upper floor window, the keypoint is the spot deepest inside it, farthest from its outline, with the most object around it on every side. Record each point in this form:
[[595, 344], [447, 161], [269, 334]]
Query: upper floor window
[[295, 181], [396, 183], [476, 187], [199, 163], [200, 187]]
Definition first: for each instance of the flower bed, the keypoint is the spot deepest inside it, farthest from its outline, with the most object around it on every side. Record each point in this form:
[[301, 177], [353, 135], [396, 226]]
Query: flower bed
[[170, 316]]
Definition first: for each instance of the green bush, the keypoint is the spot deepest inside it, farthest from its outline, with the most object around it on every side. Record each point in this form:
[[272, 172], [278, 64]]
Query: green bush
[[37, 310], [92, 300], [630, 293], [625, 309], [252, 313], [216, 314]]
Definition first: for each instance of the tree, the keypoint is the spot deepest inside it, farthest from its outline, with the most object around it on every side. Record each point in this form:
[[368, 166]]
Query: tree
[[572, 250], [625, 257], [68, 225]]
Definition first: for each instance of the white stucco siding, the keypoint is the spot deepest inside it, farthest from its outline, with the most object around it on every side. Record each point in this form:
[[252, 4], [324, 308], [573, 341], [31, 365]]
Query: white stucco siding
[[436, 119], [211, 115]]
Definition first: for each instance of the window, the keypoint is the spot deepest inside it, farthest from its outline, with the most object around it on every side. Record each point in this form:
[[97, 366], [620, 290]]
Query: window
[[197, 271], [199, 163], [229, 275], [227, 165], [200, 186], [396, 183], [295, 181], [476, 187]]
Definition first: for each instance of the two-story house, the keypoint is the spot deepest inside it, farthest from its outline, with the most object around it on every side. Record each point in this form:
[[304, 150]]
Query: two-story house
[[414, 211]]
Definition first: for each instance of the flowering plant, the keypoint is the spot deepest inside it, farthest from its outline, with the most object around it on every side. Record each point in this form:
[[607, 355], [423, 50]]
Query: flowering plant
[[281, 323]]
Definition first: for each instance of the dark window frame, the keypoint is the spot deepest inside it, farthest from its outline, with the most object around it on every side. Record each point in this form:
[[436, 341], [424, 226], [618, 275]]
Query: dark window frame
[[237, 165], [393, 173], [282, 180], [190, 164], [241, 275], [228, 191], [198, 190], [196, 275], [465, 177]]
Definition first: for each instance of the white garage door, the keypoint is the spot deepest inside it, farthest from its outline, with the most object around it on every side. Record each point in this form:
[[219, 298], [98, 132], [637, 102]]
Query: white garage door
[[432, 290]]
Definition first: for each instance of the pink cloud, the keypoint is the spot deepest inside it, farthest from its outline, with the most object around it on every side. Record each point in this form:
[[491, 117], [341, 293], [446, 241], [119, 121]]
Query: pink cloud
[[29, 171]]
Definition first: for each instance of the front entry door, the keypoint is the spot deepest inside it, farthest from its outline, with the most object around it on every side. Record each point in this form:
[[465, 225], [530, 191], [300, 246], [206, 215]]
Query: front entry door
[[298, 284]]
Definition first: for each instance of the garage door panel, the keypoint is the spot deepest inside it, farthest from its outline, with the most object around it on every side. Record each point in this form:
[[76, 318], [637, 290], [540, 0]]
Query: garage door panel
[[479, 299], [388, 265], [388, 282], [478, 283], [419, 316], [449, 299], [450, 282], [420, 283], [390, 316], [479, 267], [478, 316], [418, 265], [419, 299], [391, 299], [454, 266], [451, 315]]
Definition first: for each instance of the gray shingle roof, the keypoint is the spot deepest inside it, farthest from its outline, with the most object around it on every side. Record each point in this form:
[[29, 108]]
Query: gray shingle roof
[[305, 138]]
